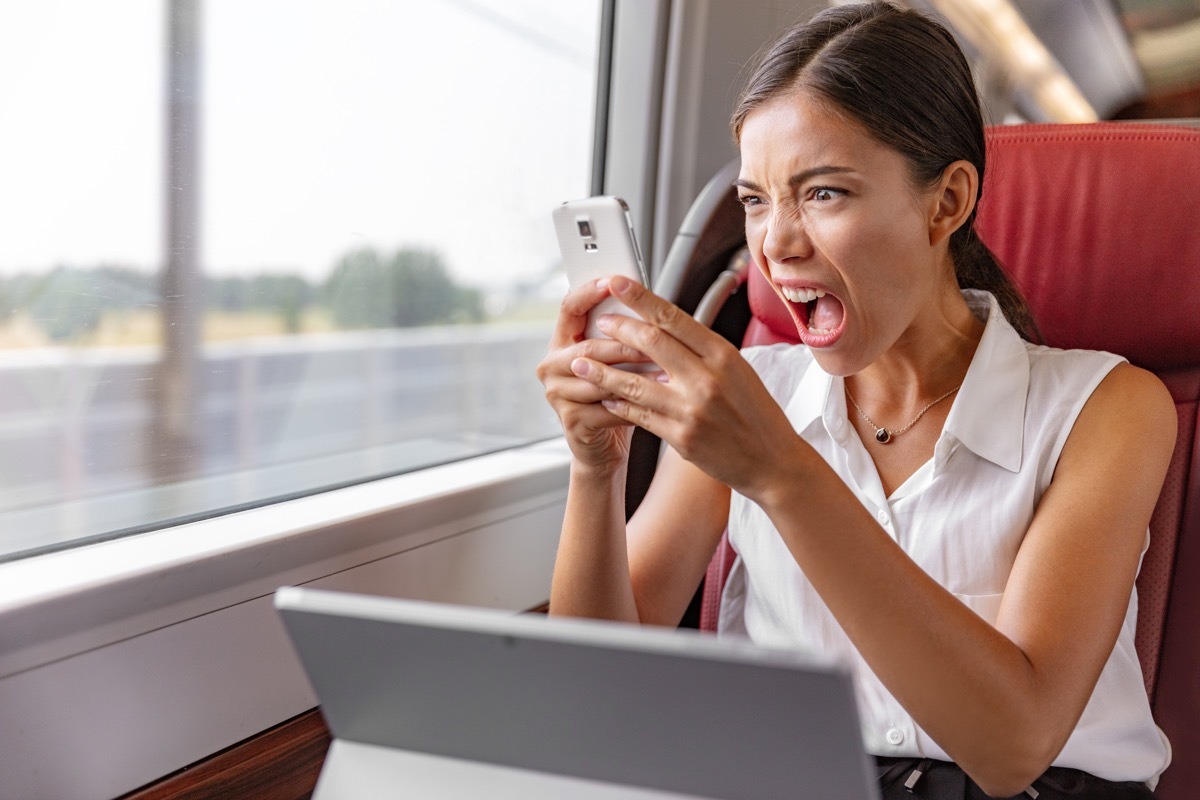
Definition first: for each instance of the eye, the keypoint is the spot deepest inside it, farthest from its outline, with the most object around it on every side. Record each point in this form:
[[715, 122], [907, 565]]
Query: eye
[[748, 201], [823, 194]]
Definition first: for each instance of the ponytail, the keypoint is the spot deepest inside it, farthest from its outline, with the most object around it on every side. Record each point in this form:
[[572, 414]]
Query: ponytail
[[977, 267]]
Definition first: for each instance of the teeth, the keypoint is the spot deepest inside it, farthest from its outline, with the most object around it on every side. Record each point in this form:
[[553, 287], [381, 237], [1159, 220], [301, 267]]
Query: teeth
[[801, 295]]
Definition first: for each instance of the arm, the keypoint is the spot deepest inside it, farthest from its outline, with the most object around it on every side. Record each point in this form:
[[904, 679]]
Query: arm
[[673, 536], [650, 572], [1002, 701], [676, 529]]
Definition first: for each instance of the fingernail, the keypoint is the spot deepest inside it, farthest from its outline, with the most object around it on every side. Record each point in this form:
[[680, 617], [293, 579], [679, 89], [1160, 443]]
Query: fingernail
[[604, 322], [620, 283], [580, 367], [609, 404], [602, 283]]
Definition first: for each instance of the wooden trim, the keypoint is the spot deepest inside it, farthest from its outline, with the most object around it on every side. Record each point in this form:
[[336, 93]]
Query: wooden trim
[[281, 763]]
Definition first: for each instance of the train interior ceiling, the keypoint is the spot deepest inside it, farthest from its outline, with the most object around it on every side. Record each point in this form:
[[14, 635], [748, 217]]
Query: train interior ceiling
[[272, 302]]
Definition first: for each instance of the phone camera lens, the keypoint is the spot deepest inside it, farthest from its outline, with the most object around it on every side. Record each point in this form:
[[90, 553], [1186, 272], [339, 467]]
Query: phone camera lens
[[585, 228]]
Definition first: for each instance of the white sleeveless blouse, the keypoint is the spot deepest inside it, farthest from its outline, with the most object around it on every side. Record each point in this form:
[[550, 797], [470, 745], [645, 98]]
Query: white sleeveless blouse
[[961, 517]]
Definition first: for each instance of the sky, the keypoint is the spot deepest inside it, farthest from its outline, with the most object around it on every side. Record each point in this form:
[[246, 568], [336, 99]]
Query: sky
[[327, 125]]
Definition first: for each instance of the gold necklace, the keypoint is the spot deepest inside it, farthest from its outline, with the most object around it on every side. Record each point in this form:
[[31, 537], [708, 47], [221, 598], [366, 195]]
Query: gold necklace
[[883, 435]]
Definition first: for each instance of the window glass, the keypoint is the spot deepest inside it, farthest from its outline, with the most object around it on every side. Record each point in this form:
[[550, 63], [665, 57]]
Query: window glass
[[261, 248]]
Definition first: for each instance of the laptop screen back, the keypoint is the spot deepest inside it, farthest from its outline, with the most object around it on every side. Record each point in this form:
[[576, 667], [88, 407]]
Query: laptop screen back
[[672, 710]]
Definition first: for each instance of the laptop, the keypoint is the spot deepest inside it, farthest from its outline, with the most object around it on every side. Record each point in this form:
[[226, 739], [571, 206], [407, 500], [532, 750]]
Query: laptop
[[436, 701]]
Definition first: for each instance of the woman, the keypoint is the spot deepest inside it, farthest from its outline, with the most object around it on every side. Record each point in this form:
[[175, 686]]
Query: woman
[[956, 511]]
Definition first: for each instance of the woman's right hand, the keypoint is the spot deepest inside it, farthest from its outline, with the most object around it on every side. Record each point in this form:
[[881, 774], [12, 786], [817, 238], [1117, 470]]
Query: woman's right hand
[[597, 439]]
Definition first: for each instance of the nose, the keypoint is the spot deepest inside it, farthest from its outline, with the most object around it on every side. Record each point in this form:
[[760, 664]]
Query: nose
[[786, 236]]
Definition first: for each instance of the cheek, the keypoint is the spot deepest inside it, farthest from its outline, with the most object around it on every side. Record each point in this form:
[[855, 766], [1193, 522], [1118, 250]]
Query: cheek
[[756, 236], [843, 239], [756, 233], [869, 245], [901, 228]]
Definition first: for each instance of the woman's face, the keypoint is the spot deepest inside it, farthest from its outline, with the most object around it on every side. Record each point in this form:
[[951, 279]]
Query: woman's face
[[834, 222]]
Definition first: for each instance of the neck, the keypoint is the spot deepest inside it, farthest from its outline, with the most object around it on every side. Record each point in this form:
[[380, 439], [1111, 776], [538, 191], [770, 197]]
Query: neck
[[930, 359]]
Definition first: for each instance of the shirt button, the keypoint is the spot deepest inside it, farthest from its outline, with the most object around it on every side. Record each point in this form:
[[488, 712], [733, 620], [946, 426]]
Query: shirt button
[[895, 736], [882, 516]]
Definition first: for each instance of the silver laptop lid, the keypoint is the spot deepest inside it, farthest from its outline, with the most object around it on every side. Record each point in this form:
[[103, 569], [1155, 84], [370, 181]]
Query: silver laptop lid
[[673, 710]]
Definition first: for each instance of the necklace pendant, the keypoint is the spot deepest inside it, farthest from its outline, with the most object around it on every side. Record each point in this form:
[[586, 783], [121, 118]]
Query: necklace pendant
[[883, 436]]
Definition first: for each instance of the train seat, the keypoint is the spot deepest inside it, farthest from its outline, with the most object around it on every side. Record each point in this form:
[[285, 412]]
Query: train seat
[[1098, 226]]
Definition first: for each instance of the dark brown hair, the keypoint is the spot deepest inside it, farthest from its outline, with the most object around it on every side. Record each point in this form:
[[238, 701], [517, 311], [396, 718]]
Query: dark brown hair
[[902, 76]]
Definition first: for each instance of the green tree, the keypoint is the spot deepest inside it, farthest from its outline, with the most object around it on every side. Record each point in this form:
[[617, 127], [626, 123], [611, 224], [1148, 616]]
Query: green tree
[[355, 291], [8, 301], [411, 288], [67, 302], [230, 294], [286, 295]]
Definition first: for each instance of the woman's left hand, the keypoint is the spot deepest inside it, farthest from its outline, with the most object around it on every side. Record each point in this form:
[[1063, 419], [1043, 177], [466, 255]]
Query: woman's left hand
[[708, 404]]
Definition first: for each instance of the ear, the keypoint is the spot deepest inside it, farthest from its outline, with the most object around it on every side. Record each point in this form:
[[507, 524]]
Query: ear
[[953, 200]]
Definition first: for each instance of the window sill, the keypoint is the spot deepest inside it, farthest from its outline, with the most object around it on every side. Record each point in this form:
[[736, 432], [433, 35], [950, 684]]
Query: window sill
[[165, 645]]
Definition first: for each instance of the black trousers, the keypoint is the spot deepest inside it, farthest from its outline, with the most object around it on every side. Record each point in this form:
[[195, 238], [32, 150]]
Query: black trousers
[[927, 779]]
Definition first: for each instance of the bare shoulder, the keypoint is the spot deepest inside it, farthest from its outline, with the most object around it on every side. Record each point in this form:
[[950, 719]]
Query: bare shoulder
[[1124, 436], [1130, 401]]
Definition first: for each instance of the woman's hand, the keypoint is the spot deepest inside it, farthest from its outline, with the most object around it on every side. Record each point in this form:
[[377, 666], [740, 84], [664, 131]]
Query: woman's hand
[[597, 439], [708, 404]]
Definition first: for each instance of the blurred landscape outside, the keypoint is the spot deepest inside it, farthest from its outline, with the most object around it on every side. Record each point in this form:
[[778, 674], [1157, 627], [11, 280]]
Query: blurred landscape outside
[[255, 250], [119, 306]]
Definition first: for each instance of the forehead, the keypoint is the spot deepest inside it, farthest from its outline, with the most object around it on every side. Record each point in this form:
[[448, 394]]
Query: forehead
[[797, 132]]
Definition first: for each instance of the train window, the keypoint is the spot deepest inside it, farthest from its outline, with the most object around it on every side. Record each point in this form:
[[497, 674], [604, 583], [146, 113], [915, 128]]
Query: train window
[[260, 249]]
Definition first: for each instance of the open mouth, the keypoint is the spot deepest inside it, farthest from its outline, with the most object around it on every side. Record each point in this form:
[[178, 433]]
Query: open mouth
[[819, 315]]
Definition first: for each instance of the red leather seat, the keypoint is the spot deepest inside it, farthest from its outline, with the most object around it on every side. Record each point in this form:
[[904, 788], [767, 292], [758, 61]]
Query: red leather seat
[[1099, 225]]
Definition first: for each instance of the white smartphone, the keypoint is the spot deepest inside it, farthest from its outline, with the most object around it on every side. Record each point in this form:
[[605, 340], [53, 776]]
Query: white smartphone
[[596, 238]]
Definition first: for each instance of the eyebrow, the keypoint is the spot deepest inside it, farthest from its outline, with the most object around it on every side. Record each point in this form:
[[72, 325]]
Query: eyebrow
[[799, 178]]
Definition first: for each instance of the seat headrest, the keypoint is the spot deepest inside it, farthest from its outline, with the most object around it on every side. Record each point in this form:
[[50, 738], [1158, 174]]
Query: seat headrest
[[1098, 225]]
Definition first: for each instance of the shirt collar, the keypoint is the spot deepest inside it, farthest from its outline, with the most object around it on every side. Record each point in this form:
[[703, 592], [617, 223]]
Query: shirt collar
[[820, 397], [988, 415]]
